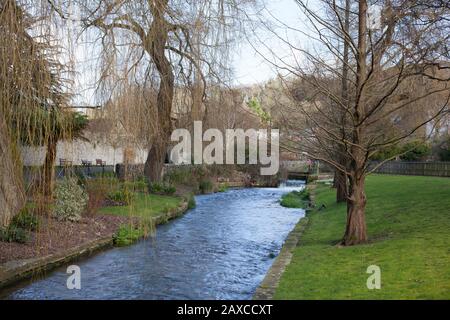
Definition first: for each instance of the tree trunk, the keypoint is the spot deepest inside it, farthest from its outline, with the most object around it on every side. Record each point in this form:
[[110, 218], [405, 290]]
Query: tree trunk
[[156, 46], [197, 99], [155, 161], [197, 87], [356, 232], [48, 172], [341, 186], [12, 193], [340, 177]]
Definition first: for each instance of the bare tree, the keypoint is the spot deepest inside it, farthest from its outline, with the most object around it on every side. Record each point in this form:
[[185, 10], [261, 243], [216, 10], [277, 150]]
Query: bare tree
[[30, 82], [167, 43], [351, 106], [340, 179]]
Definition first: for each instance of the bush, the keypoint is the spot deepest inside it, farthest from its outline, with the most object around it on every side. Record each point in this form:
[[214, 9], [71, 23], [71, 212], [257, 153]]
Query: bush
[[191, 201], [169, 190], [13, 234], [442, 149], [161, 188], [97, 190], [179, 176], [136, 186], [190, 174], [415, 151], [205, 186], [386, 153], [70, 200], [311, 178], [223, 188], [26, 220], [155, 187], [127, 234], [121, 197], [108, 180], [81, 178], [295, 199]]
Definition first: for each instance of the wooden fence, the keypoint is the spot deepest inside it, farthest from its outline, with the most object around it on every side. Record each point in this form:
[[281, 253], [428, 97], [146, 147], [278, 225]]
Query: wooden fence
[[435, 169]]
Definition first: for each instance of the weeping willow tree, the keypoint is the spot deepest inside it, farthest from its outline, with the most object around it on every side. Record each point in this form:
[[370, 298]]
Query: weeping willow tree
[[55, 123], [32, 92], [161, 44]]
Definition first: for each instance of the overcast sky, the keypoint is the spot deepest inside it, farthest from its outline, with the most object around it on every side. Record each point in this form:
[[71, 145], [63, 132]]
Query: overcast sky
[[250, 63], [249, 66]]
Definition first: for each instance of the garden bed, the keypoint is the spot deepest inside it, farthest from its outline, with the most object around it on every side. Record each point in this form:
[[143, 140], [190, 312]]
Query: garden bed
[[55, 236], [57, 242]]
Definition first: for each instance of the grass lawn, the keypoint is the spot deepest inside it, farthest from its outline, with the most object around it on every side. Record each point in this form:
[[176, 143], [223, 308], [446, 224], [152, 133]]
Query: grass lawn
[[408, 221], [295, 199], [145, 206]]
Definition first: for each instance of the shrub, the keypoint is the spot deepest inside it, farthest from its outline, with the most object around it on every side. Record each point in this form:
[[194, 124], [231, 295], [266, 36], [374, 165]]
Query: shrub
[[107, 179], [161, 188], [295, 199], [442, 148], [311, 178], [191, 201], [169, 190], [155, 187], [97, 190], [415, 151], [121, 197], [127, 234], [223, 188], [70, 200], [13, 234], [136, 186], [205, 186], [179, 176], [386, 153], [81, 178], [26, 220]]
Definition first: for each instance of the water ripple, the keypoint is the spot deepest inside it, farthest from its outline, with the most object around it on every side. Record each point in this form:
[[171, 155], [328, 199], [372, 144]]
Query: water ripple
[[219, 250]]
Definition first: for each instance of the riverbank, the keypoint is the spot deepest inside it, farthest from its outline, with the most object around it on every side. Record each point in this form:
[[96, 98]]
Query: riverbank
[[220, 250], [56, 243], [408, 221]]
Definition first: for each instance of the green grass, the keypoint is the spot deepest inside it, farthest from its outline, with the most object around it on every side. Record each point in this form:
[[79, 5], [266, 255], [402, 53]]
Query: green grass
[[223, 188], [145, 206], [295, 199], [191, 201], [408, 221], [128, 234]]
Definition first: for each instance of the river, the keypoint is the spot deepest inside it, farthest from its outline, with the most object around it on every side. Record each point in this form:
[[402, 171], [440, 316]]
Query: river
[[222, 249]]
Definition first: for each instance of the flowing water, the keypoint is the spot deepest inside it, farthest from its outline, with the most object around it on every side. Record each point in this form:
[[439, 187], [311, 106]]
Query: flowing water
[[222, 249]]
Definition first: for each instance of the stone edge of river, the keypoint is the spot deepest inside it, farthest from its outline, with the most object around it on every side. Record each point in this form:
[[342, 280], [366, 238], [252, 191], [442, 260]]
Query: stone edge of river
[[14, 271], [268, 286]]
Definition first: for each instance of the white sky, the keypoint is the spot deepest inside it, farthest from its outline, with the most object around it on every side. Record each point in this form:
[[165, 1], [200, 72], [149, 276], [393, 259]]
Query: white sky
[[249, 67]]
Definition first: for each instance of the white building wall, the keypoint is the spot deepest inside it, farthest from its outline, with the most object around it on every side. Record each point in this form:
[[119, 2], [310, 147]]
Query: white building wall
[[80, 150]]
